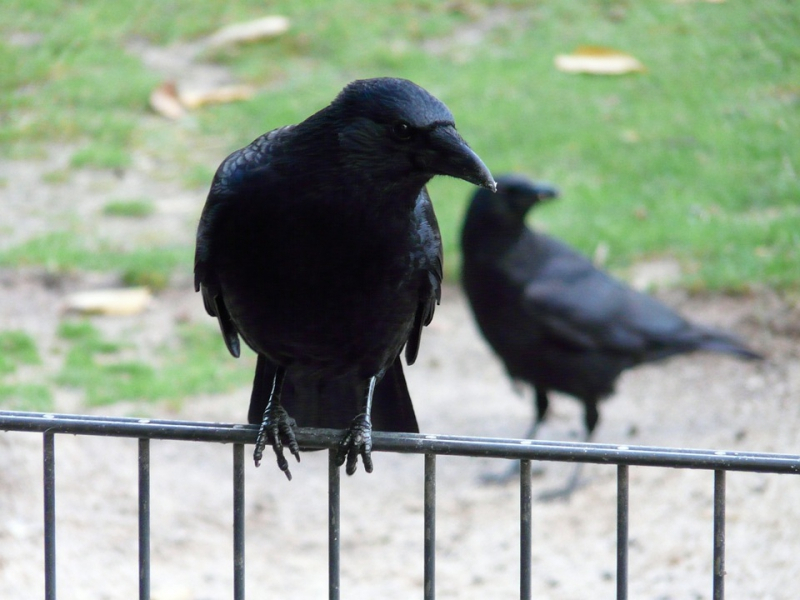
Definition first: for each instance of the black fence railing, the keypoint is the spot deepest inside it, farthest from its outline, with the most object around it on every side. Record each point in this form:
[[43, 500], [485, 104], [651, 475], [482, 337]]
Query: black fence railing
[[49, 425]]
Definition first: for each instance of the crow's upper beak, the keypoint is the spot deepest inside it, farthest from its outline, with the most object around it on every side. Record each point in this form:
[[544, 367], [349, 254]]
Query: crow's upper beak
[[545, 191], [450, 155]]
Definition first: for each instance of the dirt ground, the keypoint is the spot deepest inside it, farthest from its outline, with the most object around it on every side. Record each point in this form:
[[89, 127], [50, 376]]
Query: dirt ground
[[458, 388]]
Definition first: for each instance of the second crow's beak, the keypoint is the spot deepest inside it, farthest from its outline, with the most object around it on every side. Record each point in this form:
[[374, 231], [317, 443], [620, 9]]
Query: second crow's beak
[[450, 155], [545, 191]]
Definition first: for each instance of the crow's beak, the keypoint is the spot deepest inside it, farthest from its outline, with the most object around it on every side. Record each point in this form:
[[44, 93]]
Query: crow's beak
[[545, 191], [450, 155]]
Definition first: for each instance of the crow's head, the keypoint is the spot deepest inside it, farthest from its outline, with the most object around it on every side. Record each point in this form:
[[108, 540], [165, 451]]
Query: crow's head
[[391, 129], [516, 195]]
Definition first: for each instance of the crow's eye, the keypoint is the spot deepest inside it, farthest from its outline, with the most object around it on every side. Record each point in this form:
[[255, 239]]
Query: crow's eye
[[402, 131]]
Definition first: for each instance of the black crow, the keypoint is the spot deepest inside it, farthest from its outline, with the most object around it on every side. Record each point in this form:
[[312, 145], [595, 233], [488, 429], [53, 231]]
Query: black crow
[[556, 321], [318, 245]]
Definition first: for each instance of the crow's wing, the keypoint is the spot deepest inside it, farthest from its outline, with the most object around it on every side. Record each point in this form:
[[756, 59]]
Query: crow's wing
[[237, 173], [584, 307], [428, 261]]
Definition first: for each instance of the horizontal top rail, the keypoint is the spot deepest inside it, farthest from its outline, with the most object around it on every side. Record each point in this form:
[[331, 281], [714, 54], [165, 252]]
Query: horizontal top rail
[[409, 443]]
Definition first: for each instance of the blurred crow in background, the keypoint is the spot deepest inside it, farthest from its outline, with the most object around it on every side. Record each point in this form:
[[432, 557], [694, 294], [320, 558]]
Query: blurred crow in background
[[318, 245], [556, 321]]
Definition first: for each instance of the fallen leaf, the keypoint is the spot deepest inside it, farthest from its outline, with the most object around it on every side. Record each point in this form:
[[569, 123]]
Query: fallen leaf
[[601, 252], [165, 101], [655, 273], [229, 93], [598, 60], [763, 252], [114, 301], [171, 102], [249, 31], [630, 136]]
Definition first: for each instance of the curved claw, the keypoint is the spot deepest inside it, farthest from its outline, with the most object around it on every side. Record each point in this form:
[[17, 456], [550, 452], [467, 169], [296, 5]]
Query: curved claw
[[277, 429], [357, 441]]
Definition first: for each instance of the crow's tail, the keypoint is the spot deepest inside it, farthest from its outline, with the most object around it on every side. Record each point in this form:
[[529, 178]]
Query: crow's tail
[[392, 409], [333, 404], [717, 341]]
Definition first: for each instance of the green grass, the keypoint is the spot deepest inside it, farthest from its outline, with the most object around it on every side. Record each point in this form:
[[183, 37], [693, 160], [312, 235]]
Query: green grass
[[107, 371], [711, 123], [56, 177], [696, 159], [26, 396], [67, 251], [17, 348], [196, 363], [135, 208]]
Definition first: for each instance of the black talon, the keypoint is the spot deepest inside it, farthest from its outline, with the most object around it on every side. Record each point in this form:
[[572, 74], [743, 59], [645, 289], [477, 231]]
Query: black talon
[[277, 429], [357, 441]]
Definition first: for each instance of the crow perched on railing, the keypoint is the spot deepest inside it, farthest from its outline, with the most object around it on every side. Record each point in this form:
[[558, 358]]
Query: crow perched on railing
[[318, 245], [557, 321]]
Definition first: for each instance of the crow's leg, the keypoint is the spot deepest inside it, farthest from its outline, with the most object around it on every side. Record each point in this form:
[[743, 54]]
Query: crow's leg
[[542, 403], [275, 424], [358, 440], [574, 483]]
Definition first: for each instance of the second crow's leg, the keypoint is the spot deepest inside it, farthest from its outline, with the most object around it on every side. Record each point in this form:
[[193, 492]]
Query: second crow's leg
[[591, 417], [542, 404]]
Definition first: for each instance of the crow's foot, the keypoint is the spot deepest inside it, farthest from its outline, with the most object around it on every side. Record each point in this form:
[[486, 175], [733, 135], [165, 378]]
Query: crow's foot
[[358, 441], [277, 429], [564, 493], [510, 474]]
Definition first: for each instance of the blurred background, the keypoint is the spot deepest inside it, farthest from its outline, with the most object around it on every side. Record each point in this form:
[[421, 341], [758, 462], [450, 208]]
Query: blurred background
[[671, 127], [114, 118]]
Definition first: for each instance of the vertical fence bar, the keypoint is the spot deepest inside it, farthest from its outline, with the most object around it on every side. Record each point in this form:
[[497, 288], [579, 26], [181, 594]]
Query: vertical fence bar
[[334, 500], [622, 532], [430, 527], [49, 460], [238, 521], [144, 519], [719, 535], [525, 504]]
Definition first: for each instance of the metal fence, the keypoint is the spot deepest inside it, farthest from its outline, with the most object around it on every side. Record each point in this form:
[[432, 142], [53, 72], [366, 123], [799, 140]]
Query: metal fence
[[430, 445]]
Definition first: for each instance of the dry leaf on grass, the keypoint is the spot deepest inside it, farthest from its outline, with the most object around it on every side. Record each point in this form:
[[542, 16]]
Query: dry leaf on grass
[[171, 102], [228, 93], [165, 101], [249, 31], [113, 301], [598, 60]]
